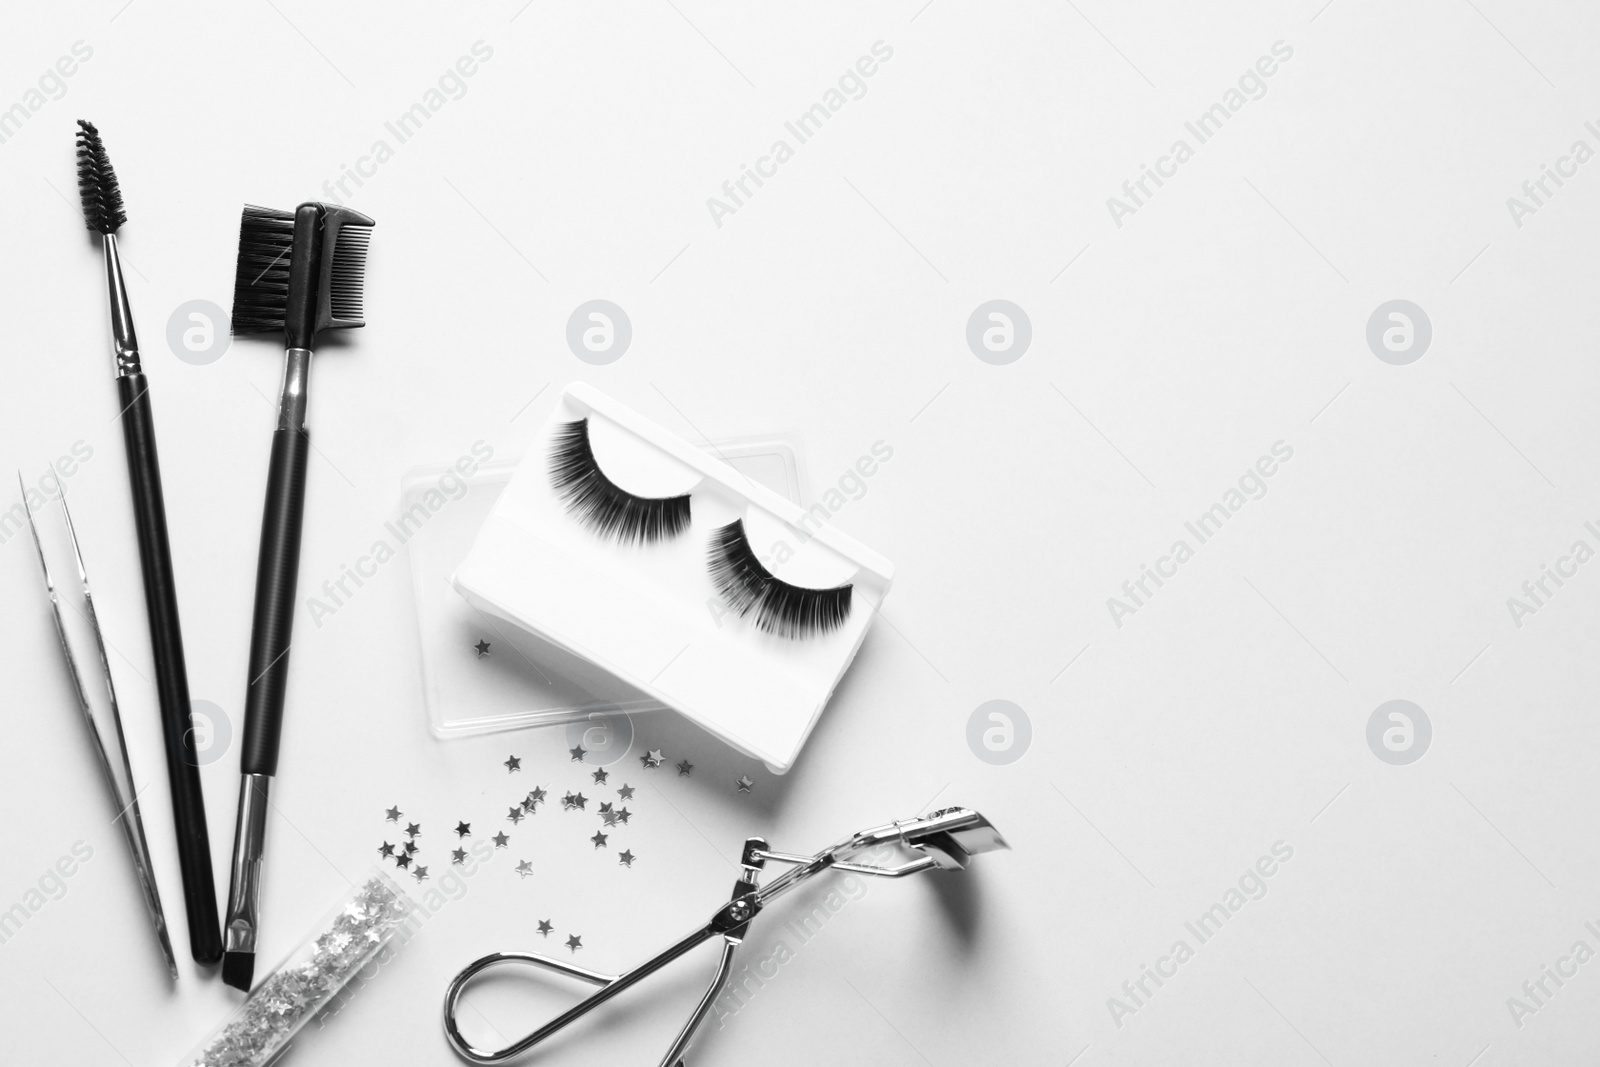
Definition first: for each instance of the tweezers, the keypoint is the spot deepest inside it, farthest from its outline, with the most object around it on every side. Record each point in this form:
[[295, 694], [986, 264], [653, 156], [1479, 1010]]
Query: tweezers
[[122, 791]]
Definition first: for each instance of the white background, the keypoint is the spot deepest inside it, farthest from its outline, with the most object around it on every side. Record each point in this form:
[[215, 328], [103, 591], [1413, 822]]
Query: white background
[[1168, 754]]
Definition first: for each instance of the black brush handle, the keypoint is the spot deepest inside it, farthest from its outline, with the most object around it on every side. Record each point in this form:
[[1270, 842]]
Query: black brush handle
[[172, 681], [277, 571]]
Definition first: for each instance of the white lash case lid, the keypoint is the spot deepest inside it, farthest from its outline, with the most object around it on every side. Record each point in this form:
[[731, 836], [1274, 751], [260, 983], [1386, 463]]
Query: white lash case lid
[[649, 615]]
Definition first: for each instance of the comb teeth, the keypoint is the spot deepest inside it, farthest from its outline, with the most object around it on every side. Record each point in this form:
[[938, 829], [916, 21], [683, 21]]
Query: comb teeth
[[97, 183], [349, 270], [261, 279]]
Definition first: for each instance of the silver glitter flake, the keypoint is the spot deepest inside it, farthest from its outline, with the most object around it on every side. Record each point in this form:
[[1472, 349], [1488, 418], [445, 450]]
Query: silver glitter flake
[[313, 975]]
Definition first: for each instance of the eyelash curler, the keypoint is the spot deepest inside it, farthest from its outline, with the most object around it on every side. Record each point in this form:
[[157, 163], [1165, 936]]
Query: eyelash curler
[[947, 840]]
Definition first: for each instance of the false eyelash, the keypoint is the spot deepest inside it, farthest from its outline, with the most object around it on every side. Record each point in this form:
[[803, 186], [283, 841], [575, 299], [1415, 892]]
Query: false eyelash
[[600, 503], [780, 608]]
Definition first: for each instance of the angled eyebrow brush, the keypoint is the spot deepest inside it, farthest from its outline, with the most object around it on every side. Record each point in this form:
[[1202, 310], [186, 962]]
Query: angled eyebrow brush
[[299, 272], [103, 212]]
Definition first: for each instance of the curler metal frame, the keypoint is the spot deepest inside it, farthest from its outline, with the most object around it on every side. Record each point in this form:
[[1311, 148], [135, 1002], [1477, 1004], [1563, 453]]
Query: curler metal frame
[[946, 840]]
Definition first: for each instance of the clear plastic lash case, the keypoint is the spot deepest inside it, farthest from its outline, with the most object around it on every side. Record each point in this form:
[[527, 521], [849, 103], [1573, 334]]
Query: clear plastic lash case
[[579, 624]]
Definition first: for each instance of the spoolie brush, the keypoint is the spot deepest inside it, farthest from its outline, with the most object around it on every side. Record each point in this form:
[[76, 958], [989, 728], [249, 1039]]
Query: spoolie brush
[[97, 183], [301, 272], [102, 211]]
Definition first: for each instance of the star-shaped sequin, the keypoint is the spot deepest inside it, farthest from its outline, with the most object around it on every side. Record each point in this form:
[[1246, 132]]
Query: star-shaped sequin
[[516, 813], [685, 768], [392, 815], [577, 752], [610, 817], [599, 839], [412, 829], [501, 839], [463, 829], [652, 759], [403, 860], [386, 850], [744, 783], [513, 764], [574, 801], [625, 857], [545, 927], [482, 648], [626, 792], [524, 868], [409, 848], [600, 776], [420, 874], [623, 815], [458, 855], [574, 942], [605, 806]]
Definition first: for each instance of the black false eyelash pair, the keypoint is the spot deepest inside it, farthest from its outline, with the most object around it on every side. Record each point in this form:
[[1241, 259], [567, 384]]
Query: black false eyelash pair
[[749, 588]]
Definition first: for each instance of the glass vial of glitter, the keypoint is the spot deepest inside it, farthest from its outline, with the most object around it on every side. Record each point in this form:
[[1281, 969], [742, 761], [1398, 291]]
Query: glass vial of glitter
[[347, 939]]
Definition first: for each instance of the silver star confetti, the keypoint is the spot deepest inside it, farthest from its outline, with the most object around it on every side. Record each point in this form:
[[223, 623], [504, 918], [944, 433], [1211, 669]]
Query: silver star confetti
[[685, 768], [600, 776], [500, 840], [386, 850], [744, 783], [403, 860], [652, 759], [605, 806], [610, 817], [574, 942], [482, 648], [420, 874], [599, 839], [524, 868], [545, 927], [577, 753], [626, 792], [513, 764], [516, 814], [625, 858], [463, 829], [393, 815], [413, 829], [623, 815], [458, 855]]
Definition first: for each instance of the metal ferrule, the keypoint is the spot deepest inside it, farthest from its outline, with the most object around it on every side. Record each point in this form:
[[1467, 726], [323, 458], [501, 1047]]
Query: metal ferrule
[[296, 380], [244, 892], [124, 342]]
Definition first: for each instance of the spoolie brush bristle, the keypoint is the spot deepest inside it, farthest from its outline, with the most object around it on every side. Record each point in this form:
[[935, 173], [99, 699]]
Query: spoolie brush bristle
[[261, 278], [97, 183]]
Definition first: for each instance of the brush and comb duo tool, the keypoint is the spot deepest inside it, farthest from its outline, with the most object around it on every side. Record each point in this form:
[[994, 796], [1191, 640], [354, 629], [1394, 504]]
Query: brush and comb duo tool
[[103, 212], [299, 272]]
